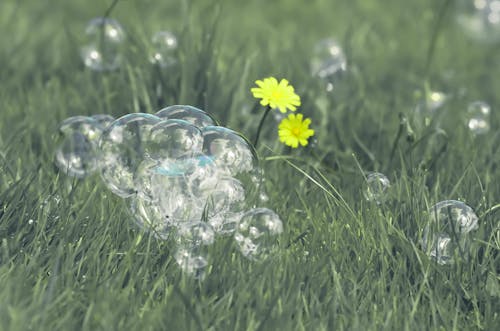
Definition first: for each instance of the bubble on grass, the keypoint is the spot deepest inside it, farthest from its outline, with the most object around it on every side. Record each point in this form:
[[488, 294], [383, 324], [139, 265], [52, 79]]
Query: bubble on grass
[[164, 49], [478, 113], [104, 120], [430, 102], [230, 151], [192, 254], [256, 234], [104, 42], [480, 19], [147, 216], [328, 61], [193, 115], [173, 139], [122, 149], [76, 155], [376, 187], [447, 233]]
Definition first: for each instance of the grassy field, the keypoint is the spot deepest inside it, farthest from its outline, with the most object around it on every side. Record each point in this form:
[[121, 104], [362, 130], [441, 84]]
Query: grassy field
[[71, 257]]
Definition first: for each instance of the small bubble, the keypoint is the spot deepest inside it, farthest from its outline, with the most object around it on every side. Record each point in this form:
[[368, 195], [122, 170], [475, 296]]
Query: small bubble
[[30, 222], [328, 62], [478, 113], [164, 49], [376, 187], [447, 232], [103, 48]]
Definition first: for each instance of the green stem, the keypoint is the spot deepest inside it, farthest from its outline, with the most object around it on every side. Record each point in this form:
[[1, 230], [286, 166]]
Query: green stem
[[268, 110]]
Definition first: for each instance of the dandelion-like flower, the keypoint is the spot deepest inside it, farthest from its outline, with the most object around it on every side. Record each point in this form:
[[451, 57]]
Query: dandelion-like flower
[[276, 95], [294, 130]]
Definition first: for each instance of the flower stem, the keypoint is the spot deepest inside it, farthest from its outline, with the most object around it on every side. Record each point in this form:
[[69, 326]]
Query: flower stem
[[268, 110]]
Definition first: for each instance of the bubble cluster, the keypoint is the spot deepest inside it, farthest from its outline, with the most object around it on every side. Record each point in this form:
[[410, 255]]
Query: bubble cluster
[[328, 61], [376, 187], [104, 42], [184, 177], [448, 231], [164, 49], [478, 117], [480, 19]]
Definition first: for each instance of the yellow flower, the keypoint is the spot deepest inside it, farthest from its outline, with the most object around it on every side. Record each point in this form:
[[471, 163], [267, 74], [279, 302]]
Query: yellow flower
[[276, 95], [294, 130]]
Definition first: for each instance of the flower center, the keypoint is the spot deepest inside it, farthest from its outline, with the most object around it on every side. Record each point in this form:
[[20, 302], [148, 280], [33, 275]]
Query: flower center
[[276, 95], [296, 131]]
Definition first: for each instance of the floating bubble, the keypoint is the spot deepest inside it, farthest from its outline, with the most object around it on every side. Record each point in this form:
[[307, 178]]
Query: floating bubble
[[165, 48], [480, 19], [193, 115], [122, 147], [447, 233], [376, 187], [256, 233], [76, 155], [192, 241], [479, 116], [105, 38], [328, 61], [170, 139]]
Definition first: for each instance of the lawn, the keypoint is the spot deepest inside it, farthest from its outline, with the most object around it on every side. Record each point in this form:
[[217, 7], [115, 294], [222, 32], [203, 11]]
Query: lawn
[[72, 258]]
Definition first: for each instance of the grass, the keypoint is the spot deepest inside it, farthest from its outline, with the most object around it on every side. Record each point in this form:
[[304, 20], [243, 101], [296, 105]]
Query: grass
[[71, 257]]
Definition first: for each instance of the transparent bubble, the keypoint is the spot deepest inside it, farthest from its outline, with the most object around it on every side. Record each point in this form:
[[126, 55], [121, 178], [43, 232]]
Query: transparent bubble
[[447, 233], [230, 151], [165, 48], [76, 155], [257, 232], [328, 61], [103, 48], [192, 253], [480, 19], [430, 102], [376, 187], [478, 114], [193, 115], [122, 147], [173, 139], [104, 120], [147, 216]]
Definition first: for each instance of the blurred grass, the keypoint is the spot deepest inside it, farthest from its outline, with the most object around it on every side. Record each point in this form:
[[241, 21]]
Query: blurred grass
[[344, 263]]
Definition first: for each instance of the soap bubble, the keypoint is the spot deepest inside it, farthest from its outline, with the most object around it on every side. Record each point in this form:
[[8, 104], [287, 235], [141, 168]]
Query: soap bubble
[[147, 216], [103, 119], [230, 151], [193, 115], [480, 19], [328, 61], [77, 155], [478, 114], [447, 232], [376, 187], [105, 38], [122, 147], [256, 233], [192, 241], [173, 139], [165, 47], [431, 102]]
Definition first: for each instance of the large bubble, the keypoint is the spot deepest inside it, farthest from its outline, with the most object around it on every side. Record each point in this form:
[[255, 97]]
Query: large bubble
[[77, 154], [447, 233], [187, 113], [122, 148], [103, 48]]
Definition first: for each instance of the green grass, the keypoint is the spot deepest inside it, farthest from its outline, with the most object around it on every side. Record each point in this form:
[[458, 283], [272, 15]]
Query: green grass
[[344, 263]]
